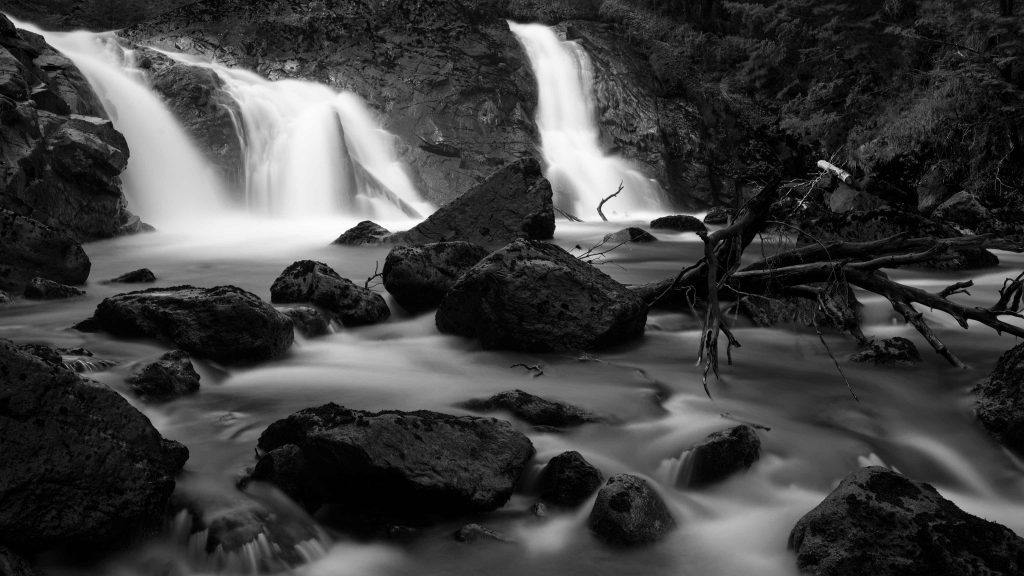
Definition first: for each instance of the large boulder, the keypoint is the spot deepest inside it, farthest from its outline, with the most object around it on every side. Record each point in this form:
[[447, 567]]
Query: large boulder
[[532, 409], [318, 283], [170, 377], [514, 202], [29, 248], [679, 223], [881, 523], [418, 277], [535, 296], [629, 512], [719, 456], [568, 480], [1000, 399], [82, 469], [410, 466], [224, 323]]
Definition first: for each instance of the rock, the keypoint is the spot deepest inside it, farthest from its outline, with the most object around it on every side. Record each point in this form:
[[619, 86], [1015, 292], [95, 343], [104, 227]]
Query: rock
[[475, 532], [140, 276], [881, 523], [170, 377], [45, 353], [568, 480], [82, 470], [224, 323], [535, 296], [840, 310], [965, 212], [896, 350], [514, 202], [629, 512], [637, 235], [1000, 399], [532, 409], [405, 466], [418, 277], [13, 565], [679, 223], [318, 283], [43, 289], [5, 298], [309, 321], [29, 249], [82, 360], [719, 456], [366, 233], [717, 215]]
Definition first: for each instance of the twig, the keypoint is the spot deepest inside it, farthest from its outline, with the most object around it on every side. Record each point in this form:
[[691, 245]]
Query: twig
[[601, 205], [828, 349], [376, 274], [535, 368], [1010, 294], [568, 216], [957, 288]]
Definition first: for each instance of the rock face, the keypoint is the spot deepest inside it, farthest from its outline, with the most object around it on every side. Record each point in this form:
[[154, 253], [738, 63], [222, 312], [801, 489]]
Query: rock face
[[896, 350], [82, 469], [29, 248], [1000, 399], [880, 522], [225, 323], [569, 480], [419, 276], [514, 202], [366, 233], [170, 377], [638, 235], [532, 409], [140, 276], [719, 456], [411, 466], [536, 296], [679, 223], [318, 283], [43, 289], [629, 512]]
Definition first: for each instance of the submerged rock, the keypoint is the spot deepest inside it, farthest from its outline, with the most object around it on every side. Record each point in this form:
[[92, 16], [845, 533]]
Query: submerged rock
[[29, 248], [1000, 399], [170, 377], [638, 235], [418, 277], [366, 233], [309, 321], [43, 289], [319, 284], [719, 456], [680, 223], [568, 480], [140, 276], [224, 323], [629, 512], [881, 523], [475, 532], [532, 409], [896, 350], [535, 296]]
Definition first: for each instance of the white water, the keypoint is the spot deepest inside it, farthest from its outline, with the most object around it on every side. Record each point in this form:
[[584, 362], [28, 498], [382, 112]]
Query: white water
[[579, 170]]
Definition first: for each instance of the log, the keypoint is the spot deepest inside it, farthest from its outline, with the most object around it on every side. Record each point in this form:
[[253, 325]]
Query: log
[[844, 176]]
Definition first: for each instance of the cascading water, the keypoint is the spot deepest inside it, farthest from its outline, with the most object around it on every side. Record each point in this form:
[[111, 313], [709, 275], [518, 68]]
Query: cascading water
[[579, 171]]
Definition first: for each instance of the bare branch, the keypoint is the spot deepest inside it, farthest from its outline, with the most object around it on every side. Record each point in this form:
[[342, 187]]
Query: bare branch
[[601, 205]]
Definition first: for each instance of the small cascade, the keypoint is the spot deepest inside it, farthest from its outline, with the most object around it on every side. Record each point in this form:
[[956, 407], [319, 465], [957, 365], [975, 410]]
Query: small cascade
[[580, 172]]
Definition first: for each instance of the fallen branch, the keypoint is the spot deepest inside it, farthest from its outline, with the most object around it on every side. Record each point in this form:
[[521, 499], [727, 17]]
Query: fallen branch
[[535, 368], [377, 273], [601, 205], [838, 172]]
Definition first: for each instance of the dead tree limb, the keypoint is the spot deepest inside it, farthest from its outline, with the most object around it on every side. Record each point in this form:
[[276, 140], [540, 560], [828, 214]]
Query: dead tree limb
[[838, 172], [601, 205]]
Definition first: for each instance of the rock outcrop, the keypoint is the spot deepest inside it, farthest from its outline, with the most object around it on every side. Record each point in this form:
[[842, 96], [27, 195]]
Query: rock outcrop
[[532, 409], [30, 249], [719, 456], [628, 512], [568, 480], [317, 283], [170, 377], [1000, 399], [418, 277]]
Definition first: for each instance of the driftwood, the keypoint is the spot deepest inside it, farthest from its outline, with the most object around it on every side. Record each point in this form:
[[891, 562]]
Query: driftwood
[[836, 171], [601, 205]]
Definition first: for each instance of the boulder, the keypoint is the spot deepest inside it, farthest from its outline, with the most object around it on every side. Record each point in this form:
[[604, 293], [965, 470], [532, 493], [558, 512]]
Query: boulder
[[29, 248], [140, 276], [896, 350], [170, 377], [309, 321], [224, 323], [629, 512], [964, 211], [568, 480], [532, 409], [513, 202], [43, 289], [319, 284], [406, 466], [535, 296], [366, 233], [719, 456], [474, 533], [1000, 399], [881, 523], [638, 235], [679, 223], [717, 216], [82, 470], [418, 277]]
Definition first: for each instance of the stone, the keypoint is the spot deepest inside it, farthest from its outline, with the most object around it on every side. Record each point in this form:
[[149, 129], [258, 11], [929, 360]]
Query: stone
[[225, 324], [568, 480], [717, 216], [140, 276], [879, 522], [637, 235], [418, 277], [628, 512], [5, 298], [719, 456], [170, 377], [999, 400], [43, 289], [317, 283], [964, 211], [535, 296], [897, 350], [532, 409], [474, 533], [366, 233], [679, 223], [29, 248], [309, 321]]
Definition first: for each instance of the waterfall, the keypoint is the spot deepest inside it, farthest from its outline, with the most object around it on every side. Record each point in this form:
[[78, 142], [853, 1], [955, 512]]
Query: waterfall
[[580, 172]]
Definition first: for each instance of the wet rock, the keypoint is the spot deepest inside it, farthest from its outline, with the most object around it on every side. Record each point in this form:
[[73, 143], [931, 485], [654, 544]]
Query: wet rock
[[81, 360], [629, 512], [532, 409], [964, 211], [896, 350], [366, 233], [535, 296], [140, 276], [45, 353], [1000, 399], [319, 284], [170, 377], [82, 470], [13, 565], [224, 323], [513, 202], [474, 533], [568, 480], [43, 289], [637, 235], [29, 248], [409, 467], [679, 223], [881, 523], [719, 456], [309, 321], [418, 277], [287, 468], [717, 215]]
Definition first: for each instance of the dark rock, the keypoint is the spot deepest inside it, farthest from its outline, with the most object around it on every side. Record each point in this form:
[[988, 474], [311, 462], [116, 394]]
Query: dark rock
[[933, 188], [514, 202], [405, 466], [629, 512], [5, 298], [13, 565], [569, 480], [45, 353], [881, 523], [224, 323], [535, 296], [1000, 399], [82, 360], [837, 307], [366, 233], [896, 350], [638, 235], [140, 276], [319, 284], [170, 377], [717, 216], [309, 321], [418, 277], [475, 532], [288, 469], [82, 470], [29, 248], [680, 223], [719, 456], [532, 409], [965, 212], [43, 289]]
